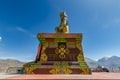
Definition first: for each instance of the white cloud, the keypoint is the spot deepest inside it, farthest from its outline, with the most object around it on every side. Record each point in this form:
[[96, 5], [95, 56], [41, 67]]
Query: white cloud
[[25, 31], [21, 29], [0, 38]]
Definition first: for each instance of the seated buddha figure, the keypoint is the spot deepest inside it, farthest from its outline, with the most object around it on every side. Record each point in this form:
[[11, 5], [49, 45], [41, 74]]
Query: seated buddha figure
[[63, 28]]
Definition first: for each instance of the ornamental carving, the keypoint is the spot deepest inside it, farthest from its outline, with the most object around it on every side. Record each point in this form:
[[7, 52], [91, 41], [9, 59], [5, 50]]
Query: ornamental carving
[[62, 51]]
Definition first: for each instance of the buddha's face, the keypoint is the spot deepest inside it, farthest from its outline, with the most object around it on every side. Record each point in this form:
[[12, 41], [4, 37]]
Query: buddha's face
[[63, 15]]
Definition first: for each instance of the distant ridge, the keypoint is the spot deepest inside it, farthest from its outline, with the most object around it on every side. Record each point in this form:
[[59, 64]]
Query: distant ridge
[[110, 62], [6, 63], [92, 63]]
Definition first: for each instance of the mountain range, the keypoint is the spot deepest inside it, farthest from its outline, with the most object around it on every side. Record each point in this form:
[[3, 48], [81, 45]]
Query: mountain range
[[112, 63], [6, 63]]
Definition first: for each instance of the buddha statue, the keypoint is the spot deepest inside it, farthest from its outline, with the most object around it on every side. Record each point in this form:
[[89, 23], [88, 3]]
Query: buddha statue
[[63, 28]]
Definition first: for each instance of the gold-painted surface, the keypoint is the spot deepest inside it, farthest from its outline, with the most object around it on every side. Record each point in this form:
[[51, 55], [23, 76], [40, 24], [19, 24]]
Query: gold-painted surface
[[57, 50], [45, 44], [65, 64], [62, 56], [79, 46], [29, 70], [62, 46], [67, 71], [62, 51], [60, 68], [55, 71], [44, 57], [56, 64], [63, 28], [85, 71], [59, 36], [61, 71], [80, 58], [29, 67]]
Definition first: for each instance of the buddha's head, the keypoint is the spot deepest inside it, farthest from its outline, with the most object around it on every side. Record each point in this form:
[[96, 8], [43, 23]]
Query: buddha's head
[[63, 15]]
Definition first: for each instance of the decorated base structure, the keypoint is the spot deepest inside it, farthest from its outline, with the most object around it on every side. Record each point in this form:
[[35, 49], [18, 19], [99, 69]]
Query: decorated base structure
[[59, 53]]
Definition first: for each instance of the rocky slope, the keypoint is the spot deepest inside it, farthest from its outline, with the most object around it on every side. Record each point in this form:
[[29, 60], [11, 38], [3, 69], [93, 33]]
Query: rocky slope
[[113, 63], [6, 63], [92, 63]]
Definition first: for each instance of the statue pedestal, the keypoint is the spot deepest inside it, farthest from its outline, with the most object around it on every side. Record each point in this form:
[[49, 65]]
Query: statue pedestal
[[59, 53]]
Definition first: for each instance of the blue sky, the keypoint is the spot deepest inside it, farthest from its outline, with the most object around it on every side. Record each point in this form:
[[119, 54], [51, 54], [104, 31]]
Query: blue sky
[[21, 20]]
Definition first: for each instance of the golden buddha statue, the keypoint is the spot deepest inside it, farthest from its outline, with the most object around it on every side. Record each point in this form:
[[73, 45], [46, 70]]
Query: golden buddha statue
[[63, 28]]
